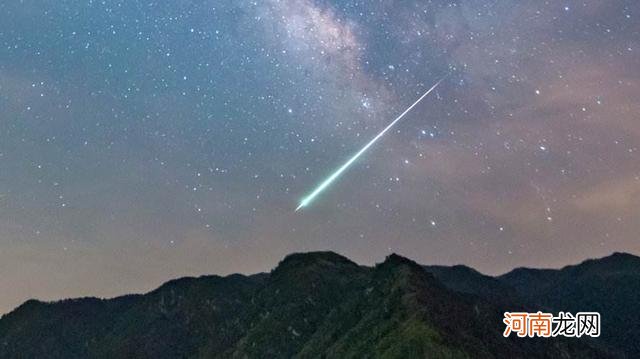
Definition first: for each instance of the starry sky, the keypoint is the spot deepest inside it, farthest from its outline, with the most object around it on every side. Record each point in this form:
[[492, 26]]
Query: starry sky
[[146, 140]]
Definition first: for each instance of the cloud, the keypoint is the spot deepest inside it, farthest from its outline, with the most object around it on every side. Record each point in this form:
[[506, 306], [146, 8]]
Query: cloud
[[619, 195]]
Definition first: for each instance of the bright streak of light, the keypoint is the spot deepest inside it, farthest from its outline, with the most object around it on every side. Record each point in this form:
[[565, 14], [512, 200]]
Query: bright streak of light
[[309, 198]]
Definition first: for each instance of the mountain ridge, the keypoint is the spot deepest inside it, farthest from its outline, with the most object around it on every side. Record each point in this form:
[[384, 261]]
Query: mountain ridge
[[321, 304]]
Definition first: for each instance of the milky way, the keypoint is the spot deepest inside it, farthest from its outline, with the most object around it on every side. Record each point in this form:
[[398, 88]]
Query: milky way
[[141, 141]]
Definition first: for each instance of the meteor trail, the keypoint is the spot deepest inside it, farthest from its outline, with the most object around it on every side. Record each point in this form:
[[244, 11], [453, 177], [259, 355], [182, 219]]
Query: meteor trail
[[308, 199]]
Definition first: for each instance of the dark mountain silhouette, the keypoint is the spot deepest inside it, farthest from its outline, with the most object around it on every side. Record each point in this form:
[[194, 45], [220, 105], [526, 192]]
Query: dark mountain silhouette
[[467, 280], [322, 305], [610, 286]]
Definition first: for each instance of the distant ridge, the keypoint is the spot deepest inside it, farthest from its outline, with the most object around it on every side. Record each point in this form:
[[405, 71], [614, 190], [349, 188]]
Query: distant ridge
[[322, 304]]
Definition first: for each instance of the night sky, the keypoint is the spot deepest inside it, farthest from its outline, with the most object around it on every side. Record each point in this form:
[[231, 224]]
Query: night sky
[[142, 141]]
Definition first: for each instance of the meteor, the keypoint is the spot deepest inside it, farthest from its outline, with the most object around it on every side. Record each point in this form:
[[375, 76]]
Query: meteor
[[309, 198]]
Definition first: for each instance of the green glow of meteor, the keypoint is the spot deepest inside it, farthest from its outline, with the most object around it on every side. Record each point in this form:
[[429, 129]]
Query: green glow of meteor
[[309, 198]]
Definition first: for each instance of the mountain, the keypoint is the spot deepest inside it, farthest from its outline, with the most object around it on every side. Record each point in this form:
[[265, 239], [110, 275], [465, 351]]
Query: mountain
[[312, 305], [610, 286], [467, 280]]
